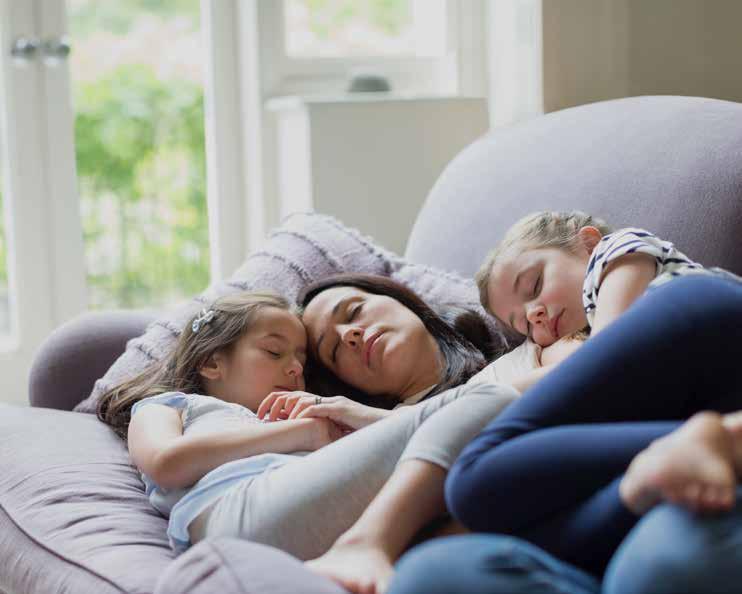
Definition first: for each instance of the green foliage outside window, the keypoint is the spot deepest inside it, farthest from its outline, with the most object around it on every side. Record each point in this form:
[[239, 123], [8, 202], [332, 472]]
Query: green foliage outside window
[[328, 16], [141, 168]]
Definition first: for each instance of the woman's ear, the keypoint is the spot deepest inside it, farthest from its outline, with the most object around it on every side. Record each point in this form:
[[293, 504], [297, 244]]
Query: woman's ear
[[589, 237], [212, 369]]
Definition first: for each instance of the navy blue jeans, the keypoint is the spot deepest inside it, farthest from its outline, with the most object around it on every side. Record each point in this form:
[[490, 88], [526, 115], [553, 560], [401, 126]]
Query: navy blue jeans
[[548, 468]]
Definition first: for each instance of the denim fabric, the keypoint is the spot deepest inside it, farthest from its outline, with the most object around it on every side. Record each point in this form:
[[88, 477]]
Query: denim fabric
[[675, 551], [547, 468], [486, 564]]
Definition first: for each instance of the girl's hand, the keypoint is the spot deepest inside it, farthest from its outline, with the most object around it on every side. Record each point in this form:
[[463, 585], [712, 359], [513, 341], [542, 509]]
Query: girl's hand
[[279, 405], [341, 410]]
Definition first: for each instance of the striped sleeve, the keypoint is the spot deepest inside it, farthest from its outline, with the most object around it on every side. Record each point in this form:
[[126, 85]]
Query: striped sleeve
[[613, 246]]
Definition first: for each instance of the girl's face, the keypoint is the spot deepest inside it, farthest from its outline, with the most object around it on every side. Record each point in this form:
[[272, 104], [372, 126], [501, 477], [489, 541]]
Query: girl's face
[[538, 292], [372, 342], [269, 357]]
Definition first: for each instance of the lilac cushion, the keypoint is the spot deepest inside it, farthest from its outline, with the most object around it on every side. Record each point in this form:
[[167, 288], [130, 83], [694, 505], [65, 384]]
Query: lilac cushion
[[240, 567], [307, 247], [672, 165], [72, 507]]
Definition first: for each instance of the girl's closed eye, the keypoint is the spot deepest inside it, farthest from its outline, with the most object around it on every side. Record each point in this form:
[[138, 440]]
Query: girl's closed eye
[[537, 285]]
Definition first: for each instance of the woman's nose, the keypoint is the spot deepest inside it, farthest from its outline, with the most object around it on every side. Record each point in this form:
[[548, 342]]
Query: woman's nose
[[352, 336]]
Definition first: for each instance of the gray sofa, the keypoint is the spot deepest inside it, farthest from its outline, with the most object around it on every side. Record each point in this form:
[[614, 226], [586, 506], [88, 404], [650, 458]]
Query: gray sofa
[[73, 516]]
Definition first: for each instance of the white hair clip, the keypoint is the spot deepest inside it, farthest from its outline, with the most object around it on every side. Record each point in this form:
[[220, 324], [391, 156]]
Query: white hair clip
[[204, 318]]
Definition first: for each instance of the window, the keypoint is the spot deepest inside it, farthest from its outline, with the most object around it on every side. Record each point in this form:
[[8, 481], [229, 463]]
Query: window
[[5, 317], [316, 46], [137, 85], [342, 28]]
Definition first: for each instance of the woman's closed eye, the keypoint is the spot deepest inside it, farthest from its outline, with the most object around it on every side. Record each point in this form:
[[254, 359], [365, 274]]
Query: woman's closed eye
[[353, 312]]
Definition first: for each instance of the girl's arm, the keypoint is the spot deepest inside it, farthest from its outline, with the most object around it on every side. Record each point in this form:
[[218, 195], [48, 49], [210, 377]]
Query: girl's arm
[[159, 449], [623, 281]]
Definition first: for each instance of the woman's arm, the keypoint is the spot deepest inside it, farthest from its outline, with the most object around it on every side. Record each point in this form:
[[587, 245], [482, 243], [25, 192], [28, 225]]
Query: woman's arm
[[623, 281], [363, 557], [159, 449]]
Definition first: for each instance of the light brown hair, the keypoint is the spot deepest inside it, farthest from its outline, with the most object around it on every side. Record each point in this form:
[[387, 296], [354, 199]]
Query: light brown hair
[[233, 315], [544, 229]]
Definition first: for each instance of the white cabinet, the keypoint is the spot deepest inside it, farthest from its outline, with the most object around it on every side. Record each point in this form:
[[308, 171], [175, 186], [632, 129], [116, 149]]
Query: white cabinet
[[370, 160]]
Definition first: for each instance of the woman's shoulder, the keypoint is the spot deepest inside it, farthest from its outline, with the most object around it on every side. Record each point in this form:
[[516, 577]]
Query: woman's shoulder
[[522, 359]]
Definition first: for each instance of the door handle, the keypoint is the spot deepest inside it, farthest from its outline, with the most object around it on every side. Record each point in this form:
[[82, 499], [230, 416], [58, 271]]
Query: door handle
[[24, 49], [56, 48]]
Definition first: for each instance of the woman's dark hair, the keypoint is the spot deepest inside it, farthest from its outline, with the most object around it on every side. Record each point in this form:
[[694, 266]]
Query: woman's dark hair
[[462, 335]]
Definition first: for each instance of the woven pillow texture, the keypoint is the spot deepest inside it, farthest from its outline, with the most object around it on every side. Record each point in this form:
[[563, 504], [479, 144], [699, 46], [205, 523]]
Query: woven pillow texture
[[306, 247]]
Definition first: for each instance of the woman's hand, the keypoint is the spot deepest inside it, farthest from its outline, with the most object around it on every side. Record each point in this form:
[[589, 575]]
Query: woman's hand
[[342, 410], [302, 405]]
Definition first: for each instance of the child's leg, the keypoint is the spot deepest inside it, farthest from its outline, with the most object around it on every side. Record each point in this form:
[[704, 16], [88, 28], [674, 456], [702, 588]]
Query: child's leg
[[560, 488], [305, 505], [538, 477], [673, 353]]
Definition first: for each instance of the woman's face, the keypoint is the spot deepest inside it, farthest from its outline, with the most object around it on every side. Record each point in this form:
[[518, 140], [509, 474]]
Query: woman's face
[[372, 342]]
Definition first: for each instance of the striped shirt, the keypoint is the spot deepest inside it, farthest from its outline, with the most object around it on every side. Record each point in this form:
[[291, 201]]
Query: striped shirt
[[669, 261]]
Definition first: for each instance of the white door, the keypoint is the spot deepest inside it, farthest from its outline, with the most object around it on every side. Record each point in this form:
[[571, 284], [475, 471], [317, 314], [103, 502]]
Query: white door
[[42, 272], [103, 162]]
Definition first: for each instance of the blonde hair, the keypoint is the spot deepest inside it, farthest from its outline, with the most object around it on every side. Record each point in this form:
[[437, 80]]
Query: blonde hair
[[544, 229], [232, 317]]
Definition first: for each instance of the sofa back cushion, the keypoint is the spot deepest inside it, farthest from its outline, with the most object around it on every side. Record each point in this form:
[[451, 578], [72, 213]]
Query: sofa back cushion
[[305, 248], [672, 165]]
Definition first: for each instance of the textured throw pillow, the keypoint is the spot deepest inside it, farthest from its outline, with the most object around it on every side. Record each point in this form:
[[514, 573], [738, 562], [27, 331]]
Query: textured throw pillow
[[305, 248]]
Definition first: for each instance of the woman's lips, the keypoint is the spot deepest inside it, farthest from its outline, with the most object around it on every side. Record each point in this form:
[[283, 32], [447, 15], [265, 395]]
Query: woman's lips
[[369, 346]]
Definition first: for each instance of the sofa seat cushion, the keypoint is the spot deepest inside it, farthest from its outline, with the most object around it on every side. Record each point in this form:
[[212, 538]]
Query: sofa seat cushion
[[73, 514], [222, 565]]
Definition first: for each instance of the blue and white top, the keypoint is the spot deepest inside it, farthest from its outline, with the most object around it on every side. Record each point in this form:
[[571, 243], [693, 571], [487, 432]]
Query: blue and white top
[[200, 415], [669, 261]]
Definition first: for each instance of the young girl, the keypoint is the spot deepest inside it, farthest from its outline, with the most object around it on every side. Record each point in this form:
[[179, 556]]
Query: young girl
[[650, 363], [191, 422]]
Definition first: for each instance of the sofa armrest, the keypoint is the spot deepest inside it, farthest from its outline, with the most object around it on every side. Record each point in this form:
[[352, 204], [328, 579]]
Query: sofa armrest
[[79, 352], [233, 566]]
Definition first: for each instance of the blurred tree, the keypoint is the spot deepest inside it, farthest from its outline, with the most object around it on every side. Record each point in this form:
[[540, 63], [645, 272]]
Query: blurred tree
[[141, 167]]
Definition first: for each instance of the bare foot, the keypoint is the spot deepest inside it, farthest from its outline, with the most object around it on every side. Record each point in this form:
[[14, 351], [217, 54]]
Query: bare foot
[[694, 466], [733, 424], [358, 567]]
